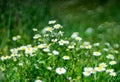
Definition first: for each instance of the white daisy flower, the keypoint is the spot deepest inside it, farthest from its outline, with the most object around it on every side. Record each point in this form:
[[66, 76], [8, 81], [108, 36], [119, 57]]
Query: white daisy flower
[[113, 74], [29, 50], [60, 70], [66, 57], [78, 38], [66, 42], [49, 68], [88, 69], [41, 46], [36, 36], [46, 50], [55, 52], [35, 29], [99, 69], [18, 36], [47, 29], [60, 33], [15, 38], [106, 49], [86, 73], [96, 53], [102, 65], [74, 35], [110, 56], [88, 46], [96, 44], [61, 42], [38, 80], [57, 26], [112, 62], [52, 22], [54, 40], [71, 47], [20, 64], [109, 70]]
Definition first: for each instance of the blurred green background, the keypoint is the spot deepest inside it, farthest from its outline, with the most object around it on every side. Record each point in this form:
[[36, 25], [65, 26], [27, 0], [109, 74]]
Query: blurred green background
[[95, 20]]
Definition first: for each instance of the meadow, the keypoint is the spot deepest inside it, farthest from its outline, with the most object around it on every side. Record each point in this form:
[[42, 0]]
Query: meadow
[[59, 41]]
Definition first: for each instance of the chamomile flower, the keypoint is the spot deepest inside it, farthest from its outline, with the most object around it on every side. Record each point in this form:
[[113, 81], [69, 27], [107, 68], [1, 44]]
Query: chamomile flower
[[71, 46], [112, 62], [29, 50], [88, 47], [109, 70], [15, 38], [36, 36], [96, 53], [60, 70], [42, 46], [102, 65], [38, 80], [35, 29], [66, 57], [14, 51], [110, 56], [49, 68], [18, 36], [86, 43], [47, 29], [52, 22], [96, 44], [86, 73], [20, 64], [78, 38], [74, 35], [46, 50], [57, 26], [113, 74], [55, 52], [105, 49], [99, 69], [66, 42], [5, 57], [60, 33], [88, 69], [54, 40], [61, 42]]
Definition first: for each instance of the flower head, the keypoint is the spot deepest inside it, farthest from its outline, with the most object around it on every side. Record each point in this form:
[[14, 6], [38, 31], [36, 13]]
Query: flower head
[[99, 69], [38, 80], [112, 62], [57, 26], [110, 56], [52, 22], [86, 73], [103, 65], [60, 70], [96, 53], [66, 57], [113, 74], [55, 52]]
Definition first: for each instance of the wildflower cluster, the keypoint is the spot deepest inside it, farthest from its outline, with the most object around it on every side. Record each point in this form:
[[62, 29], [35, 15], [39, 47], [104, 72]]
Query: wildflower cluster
[[53, 57]]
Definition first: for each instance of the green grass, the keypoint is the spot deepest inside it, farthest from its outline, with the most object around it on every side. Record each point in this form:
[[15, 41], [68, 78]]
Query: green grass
[[19, 17]]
